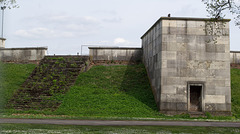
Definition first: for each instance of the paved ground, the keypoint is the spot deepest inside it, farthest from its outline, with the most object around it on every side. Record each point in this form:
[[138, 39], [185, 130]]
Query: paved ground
[[121, 123]]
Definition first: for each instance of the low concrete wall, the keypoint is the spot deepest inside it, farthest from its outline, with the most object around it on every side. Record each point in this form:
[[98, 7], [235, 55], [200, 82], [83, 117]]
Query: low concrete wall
[[235, 57], [115, 54], [22, 54]]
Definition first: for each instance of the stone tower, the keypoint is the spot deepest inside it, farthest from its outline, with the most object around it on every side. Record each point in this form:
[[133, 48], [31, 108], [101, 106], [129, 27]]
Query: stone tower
[[188, 64]]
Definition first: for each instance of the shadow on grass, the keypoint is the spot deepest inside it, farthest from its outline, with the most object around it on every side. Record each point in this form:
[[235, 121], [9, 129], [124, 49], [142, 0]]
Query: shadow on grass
[[136, 84]]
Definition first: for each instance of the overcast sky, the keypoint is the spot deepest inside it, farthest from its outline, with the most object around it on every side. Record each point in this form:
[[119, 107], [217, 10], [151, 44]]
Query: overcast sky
[[64, 25]]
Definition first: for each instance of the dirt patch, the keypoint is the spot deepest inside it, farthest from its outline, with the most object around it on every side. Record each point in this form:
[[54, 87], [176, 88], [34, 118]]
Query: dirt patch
[[234, 65]]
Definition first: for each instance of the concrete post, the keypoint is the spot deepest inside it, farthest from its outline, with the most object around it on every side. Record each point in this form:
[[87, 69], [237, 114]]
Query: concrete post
[[2, 42]]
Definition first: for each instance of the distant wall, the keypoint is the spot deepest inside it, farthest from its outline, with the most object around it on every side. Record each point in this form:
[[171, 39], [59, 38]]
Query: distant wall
[[235, 57], [22, 54], [115, 54]]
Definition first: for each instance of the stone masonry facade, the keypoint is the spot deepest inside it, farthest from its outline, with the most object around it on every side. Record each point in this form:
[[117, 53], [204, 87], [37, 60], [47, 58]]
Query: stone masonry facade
[[188, 65]]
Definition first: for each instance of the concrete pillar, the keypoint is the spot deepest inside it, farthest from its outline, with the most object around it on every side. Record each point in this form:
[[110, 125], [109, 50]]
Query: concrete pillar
[[2, 42]]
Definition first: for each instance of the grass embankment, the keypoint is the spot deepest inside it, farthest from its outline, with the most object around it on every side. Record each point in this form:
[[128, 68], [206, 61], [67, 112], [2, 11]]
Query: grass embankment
[[106, 92], [103, 91], [110, 91], [50, 129], [11, 78]]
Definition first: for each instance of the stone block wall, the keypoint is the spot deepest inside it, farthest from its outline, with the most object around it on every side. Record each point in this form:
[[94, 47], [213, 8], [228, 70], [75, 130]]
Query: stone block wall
[[115, 54], [180, 53], [152, 58], [22, 54]]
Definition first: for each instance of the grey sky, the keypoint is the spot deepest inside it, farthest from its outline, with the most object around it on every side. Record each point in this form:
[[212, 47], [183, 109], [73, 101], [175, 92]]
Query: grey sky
[[64, 26]]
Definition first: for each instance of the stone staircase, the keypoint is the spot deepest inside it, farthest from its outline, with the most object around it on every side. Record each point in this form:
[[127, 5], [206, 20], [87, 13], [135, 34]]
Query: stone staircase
[[48, 82], [197, 114]]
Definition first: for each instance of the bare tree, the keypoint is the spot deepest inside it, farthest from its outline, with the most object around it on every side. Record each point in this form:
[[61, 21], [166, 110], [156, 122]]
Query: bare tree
[[9, 3], [217, 9]]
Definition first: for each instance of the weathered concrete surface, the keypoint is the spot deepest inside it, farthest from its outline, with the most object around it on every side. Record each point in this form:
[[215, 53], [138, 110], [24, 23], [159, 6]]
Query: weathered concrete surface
[[22, 54], [115, 54], [182, 52]]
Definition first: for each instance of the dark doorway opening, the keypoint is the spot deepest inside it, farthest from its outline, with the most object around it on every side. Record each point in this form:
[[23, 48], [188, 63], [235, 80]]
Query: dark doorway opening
[[195, 98]]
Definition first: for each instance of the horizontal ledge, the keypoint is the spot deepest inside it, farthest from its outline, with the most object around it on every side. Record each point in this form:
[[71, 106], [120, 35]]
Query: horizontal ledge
[[183, 18], [114, 48], [67, 56], [234, 51], [196, 19], [25, 48]]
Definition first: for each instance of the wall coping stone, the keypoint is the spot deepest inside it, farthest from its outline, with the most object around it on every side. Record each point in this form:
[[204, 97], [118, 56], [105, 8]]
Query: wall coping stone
[[234, 51], [66, 56], [24, 48], [114, 48], [182, 18]]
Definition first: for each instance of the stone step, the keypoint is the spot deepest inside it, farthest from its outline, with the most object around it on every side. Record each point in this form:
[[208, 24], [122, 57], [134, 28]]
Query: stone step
[[197, 114], [40, 82]]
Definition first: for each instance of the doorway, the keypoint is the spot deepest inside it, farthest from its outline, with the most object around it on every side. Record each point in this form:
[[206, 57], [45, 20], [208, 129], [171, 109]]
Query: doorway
[[195, 97]]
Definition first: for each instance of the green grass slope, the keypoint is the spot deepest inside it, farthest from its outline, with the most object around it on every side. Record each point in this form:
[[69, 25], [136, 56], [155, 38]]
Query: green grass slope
[[110, 91], [11, 78], [235, 86]]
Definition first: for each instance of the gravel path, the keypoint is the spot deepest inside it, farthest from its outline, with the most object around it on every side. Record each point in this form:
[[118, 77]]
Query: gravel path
[[121, 123]]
